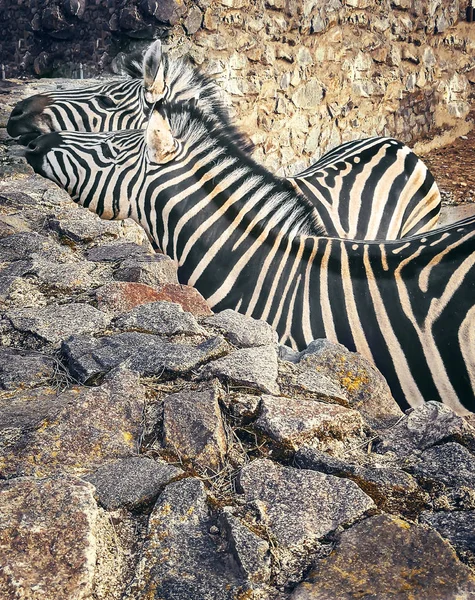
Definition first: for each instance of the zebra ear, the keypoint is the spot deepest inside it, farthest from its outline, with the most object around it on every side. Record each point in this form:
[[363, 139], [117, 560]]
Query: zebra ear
[[161, 145], [154, 72]]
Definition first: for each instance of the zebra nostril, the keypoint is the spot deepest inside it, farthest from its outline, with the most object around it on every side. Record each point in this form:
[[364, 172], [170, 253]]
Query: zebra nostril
[[32, 146], [16, 112]]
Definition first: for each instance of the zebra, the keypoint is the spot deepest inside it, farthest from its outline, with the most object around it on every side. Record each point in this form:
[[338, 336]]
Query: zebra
[[247, 241], [375, 188]]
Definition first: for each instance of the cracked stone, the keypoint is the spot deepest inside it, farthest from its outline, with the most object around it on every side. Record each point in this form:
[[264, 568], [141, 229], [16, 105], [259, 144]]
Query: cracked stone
[[22, 368]]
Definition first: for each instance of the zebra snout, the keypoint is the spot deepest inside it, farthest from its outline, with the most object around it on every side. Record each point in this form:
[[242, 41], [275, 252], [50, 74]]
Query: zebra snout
[[25, 117]]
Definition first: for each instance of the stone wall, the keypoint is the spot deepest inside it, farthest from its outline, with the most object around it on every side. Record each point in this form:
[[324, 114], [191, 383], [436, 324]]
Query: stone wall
[[303, 75]]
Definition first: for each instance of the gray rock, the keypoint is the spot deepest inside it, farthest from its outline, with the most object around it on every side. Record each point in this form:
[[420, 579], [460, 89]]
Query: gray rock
[[193, 21], [10, 274], [82, 226], [151, 269], [21, 246], [242, 331], [288, 354], [366, 388], [292, 423], [255, 368], [180, 560], [250, 551], [458, 527], [193, 427], [88, 358], [48, 539], [21, 368], [72, 432], [299, 505], [385, 553], [131, 482], [66, 277], [116, 252], [427, 425], [243, 407], [392, 490], [162, 318], [57, 322], [297, 508], [449, 464]]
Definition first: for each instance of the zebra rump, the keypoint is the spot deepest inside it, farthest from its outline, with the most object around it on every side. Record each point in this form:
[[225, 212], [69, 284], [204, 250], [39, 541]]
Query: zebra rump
[[374, 188], [247, 241]]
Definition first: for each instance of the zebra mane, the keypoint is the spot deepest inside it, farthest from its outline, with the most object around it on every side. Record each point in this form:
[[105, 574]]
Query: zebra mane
[[187, 82], [192, 126]]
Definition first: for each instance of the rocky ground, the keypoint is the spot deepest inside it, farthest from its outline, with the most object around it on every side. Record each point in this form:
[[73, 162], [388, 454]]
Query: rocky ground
[[151, 449]]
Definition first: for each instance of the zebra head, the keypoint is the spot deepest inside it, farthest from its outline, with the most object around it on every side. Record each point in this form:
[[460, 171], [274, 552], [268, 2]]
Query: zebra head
[[97, 170], [118, 105]]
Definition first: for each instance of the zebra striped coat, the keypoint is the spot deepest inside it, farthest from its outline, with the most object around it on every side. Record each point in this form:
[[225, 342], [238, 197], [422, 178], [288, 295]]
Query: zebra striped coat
[[247, 241], [375, 188]]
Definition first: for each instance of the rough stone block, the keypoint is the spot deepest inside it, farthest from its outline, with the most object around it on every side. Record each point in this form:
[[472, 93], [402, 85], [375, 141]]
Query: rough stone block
[[193, 427], [152, 269], [23, 369], [292, 423], [255, 368], [74, 432], [366, 388], [161, 318], [131, 483], [385, 553], [88, 358], [426, 426], [48, 541], [180, 560], [54, 323], [458, 527], [299, 506], [242, 331]]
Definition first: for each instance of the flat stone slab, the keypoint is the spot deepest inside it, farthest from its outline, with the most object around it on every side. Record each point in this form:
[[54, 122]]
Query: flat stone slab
[[366, 389], [180, 559], [88, 357], [55, 323], [300, 506], [255, 368], [384, 557], [132, 482], [72, 432], [193, 426], [292, 422], [242, 331], [47, 539], [161, 318], [22, 368], [426, 426], [393, 490], [82, 226]]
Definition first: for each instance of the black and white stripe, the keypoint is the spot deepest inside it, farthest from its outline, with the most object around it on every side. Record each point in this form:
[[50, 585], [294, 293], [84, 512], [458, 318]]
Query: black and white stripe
[[375, 188], [247, 241]]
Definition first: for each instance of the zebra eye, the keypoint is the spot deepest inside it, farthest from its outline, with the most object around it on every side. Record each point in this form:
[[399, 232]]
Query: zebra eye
[[107, 150], [105, 102]]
